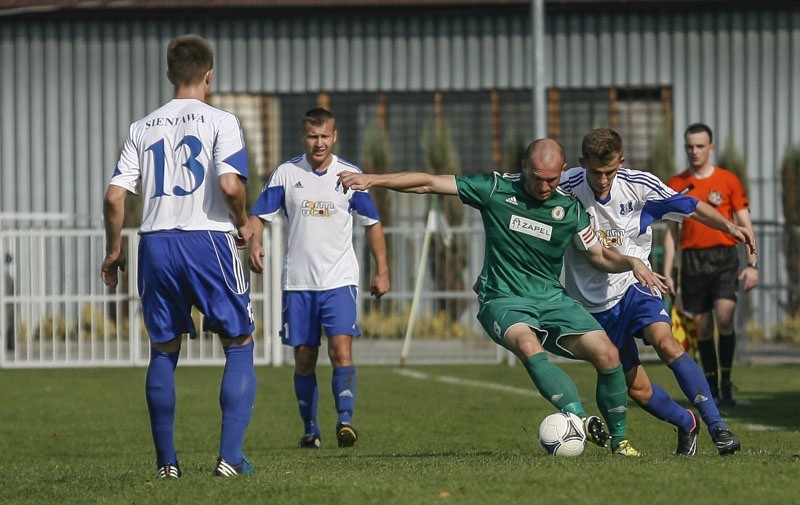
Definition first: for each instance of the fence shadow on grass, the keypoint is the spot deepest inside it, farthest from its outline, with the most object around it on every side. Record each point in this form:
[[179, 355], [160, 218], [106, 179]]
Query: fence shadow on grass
[[779, 410]]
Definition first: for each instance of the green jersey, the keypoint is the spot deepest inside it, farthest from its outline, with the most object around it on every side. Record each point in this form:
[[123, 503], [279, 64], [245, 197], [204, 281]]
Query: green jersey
[[525, 238]]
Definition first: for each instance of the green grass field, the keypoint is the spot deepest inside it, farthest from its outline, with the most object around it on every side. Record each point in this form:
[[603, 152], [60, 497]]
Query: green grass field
[[433, 434]]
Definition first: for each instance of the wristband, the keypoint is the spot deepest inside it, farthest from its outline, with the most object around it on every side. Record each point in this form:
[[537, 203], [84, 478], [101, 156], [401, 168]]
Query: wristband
[[753, 265]]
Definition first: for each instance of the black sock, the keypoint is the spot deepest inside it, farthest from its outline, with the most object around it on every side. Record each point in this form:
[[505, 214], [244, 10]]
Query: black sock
[[727, 347], [708, 358]]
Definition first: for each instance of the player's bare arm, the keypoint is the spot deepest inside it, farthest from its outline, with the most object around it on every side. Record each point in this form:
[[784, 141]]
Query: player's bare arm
[[749, 274], [405, 182], [706, 214], [113, 215], [257, 252], [670, 243], [377, 243], [233, 190], [609, 260]]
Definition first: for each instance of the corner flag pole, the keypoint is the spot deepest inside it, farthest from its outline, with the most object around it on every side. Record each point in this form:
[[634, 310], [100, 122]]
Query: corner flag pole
[[430, 226], [436, 223]]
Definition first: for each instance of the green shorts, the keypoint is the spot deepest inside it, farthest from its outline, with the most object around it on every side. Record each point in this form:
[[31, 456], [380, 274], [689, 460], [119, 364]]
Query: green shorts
[[551, 320]]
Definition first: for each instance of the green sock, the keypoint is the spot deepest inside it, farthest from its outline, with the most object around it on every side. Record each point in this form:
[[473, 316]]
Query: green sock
[[554, 385], [612, 399]]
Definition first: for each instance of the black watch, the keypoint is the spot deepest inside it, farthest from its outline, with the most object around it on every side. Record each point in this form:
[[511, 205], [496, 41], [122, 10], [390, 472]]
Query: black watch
[[753, 264]]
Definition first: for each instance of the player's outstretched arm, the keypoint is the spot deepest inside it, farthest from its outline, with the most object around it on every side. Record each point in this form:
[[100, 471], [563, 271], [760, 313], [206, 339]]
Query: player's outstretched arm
[[706, 214], [405, 182], [113, 215], [609, 260]]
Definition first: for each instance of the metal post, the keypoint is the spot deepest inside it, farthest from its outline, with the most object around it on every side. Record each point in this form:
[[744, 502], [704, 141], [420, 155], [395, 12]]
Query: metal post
[[537, 69]]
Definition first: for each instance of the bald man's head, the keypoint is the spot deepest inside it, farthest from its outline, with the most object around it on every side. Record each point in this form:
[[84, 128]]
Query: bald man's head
[[544, 162], [544, 151]]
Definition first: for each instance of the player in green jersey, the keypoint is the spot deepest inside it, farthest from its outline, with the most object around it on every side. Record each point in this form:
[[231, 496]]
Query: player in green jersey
[[528, 224]]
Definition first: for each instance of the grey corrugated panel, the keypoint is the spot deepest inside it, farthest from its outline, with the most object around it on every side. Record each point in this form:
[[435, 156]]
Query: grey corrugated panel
[[75, 86], [22, 120]]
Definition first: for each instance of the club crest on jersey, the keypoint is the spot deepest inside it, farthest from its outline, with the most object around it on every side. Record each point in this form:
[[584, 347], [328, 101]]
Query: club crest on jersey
[[625, 208], [611, 238], [530, 227], [715, 198], [558, 213], [317, 209]]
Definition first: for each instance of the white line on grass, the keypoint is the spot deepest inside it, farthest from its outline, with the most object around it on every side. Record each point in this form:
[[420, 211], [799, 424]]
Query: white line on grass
[[447, 379], [413, 374], [762, 427]]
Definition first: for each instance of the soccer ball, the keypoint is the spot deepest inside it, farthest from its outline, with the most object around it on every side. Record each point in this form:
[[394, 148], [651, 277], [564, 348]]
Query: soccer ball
[[561, 434]]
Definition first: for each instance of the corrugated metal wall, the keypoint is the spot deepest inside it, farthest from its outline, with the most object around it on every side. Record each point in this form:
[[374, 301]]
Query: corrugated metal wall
[[68, 90]]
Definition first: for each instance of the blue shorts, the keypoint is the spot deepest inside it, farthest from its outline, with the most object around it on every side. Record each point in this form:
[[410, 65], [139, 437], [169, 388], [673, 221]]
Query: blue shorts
[[181, 269], [305, 313], [627, 319]]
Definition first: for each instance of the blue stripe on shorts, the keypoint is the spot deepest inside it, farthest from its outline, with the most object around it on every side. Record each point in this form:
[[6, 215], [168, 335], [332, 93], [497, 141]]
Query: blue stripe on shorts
[[182, 269], [626, 321]]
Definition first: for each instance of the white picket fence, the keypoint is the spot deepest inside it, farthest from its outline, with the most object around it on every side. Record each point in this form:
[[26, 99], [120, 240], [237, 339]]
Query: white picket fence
[[56, 312]]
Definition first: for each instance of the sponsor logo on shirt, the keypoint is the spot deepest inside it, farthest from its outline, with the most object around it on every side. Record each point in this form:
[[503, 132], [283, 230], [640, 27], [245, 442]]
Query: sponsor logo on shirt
[[512, 200], [298, 185], [531, 227], [611, 238], [310, 208]]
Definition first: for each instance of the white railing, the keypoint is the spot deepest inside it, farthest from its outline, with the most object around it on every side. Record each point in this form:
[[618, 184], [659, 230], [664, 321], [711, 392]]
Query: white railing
[[56, 312]]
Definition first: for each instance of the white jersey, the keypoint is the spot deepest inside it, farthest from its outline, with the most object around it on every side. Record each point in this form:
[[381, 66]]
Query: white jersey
[[179, 151], [319, 251], [622, 220]]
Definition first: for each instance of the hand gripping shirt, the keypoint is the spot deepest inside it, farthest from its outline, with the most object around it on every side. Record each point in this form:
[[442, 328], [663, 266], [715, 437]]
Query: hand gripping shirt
[[622, 220], [179, 151], [525, 238], [319, 215]]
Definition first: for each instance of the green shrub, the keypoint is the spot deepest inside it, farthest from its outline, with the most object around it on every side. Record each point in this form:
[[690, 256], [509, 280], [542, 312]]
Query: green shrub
[[376, 325], [790, 184], [662, 158], [788, 331], [731, 159]]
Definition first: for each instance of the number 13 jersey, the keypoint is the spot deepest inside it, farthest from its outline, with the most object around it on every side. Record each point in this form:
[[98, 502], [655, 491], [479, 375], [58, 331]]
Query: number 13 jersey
[[179, 151]]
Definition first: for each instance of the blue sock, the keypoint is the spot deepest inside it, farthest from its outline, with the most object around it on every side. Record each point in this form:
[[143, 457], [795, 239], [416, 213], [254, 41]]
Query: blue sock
[[344, 385], [306, 392], [237, 394], [160, 393], [662, 406], [695, 386]]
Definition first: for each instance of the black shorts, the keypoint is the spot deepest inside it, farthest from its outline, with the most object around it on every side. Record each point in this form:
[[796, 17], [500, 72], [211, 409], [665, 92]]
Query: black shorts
[[708, 275]]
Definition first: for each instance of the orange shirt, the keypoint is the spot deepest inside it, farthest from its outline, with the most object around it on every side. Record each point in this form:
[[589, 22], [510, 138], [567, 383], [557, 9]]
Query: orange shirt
[[723, 191]]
